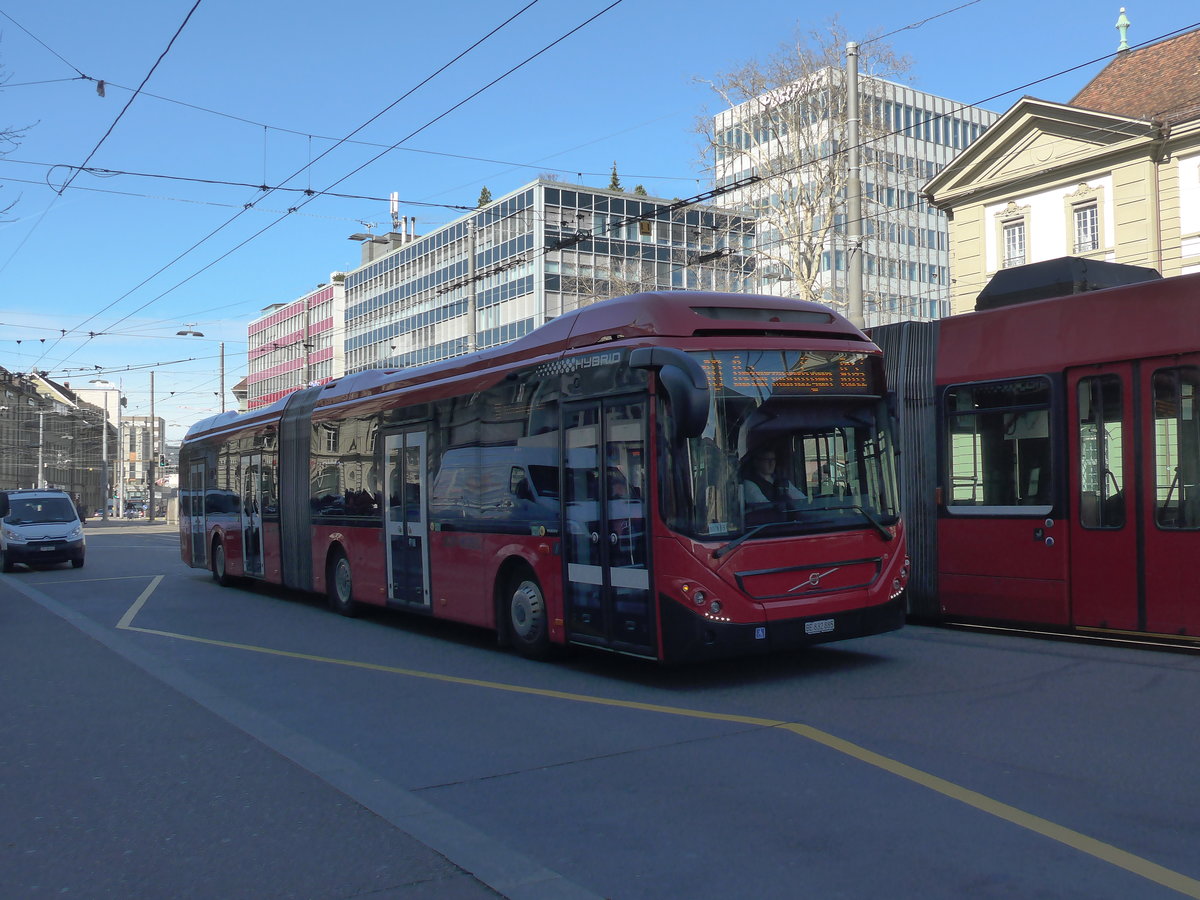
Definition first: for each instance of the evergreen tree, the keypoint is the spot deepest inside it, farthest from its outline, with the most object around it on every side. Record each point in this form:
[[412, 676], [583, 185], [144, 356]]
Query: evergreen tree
[[615, 183], [640, 191], [485, 197]]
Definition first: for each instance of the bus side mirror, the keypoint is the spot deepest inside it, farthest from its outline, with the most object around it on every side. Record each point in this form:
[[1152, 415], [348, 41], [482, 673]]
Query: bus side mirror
[[685, 383], [893, 405]]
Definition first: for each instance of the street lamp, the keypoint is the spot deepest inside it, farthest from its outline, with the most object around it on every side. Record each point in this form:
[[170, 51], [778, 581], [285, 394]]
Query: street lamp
[[189, 330], [107, 386]]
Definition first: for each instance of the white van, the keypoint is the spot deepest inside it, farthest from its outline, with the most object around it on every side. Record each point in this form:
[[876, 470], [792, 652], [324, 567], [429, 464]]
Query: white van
[[39, 526]]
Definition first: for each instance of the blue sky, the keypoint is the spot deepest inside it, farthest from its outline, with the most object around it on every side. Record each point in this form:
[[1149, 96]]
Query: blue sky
[[252, 91]]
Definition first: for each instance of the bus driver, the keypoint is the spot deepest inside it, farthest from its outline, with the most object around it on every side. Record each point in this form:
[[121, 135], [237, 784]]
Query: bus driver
[[761, 486]]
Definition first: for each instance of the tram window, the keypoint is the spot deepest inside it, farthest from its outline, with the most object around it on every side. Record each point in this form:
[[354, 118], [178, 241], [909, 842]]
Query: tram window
[[1177, 447], [1101, 474], [998, 447]]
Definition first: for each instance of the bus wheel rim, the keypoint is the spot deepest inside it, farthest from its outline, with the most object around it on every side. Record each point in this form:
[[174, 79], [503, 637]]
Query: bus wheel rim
[[528, 611]]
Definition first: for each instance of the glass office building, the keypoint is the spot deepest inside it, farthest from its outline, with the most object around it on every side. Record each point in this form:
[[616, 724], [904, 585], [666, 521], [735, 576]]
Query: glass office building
[[547, 248], [907, 137]]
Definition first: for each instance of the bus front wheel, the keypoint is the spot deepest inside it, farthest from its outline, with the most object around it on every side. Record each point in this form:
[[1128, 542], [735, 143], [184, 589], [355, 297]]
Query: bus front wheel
[[339, 585], [527, 621]]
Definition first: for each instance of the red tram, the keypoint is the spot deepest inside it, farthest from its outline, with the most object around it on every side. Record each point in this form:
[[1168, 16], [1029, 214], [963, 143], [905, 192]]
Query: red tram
[[1064, 492], [584, 484]]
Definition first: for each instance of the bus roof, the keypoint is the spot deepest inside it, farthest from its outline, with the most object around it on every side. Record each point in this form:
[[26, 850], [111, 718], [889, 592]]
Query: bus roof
[[632, 320]]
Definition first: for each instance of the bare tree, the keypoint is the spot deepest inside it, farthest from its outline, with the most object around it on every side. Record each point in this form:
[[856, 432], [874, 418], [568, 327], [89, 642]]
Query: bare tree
[[10, 139], [784, 127]]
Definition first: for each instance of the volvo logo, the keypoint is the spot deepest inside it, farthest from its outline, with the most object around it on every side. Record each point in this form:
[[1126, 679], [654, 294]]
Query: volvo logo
[[813, 580]]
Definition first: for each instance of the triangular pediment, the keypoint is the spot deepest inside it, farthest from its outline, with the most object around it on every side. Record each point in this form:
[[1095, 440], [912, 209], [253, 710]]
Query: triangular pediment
[[1032, 137]]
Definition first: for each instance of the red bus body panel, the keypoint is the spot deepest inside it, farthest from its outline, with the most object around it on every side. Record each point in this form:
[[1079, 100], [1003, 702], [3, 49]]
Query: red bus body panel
[[808, 589]]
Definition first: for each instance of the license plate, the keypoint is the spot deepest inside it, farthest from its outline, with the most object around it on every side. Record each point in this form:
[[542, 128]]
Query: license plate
[[821, 626], [44, 549]]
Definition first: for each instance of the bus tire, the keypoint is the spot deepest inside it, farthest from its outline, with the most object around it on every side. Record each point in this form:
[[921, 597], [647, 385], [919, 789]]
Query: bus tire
[[525, 616], [6, 564], [339, 585], [220, 571]]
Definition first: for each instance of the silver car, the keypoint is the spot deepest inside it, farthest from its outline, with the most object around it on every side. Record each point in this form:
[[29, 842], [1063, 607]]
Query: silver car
[[39, 527]]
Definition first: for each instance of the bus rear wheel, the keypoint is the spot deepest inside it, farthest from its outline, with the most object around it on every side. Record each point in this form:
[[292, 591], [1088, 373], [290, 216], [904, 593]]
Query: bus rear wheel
[[525, 615], [220, 572], [339, 586]]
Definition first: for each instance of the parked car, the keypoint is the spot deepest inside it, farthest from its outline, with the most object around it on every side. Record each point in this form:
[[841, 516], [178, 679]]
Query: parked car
[[38, 527]]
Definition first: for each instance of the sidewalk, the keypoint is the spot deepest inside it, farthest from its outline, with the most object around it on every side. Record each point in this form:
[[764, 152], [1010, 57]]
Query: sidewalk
[[117, 785], [96, 525]]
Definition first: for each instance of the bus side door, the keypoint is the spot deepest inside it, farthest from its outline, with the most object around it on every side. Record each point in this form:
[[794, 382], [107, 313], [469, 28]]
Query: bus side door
[[197, 528], [252, 503], [407, 543], [608, 597]]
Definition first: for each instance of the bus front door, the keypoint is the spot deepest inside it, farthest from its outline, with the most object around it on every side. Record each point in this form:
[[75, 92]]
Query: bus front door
[[608, 597], [252, 504], [408, 571]]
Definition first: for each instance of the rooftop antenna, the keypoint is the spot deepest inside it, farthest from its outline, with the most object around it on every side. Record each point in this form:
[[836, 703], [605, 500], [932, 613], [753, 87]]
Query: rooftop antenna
[[394, 200]]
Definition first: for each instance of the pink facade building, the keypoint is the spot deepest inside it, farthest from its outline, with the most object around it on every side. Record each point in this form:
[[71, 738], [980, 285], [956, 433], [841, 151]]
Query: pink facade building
[[295, 344]]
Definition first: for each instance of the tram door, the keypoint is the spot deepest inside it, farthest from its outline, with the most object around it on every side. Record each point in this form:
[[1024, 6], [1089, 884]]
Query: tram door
[[195, 513], [407, 543], [608, 597], [1136, 505], [1102, 447], [252, 506], [1170, 433]]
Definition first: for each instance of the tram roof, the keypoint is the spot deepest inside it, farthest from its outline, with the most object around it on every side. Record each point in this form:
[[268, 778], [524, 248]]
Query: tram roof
[[1141, 321]]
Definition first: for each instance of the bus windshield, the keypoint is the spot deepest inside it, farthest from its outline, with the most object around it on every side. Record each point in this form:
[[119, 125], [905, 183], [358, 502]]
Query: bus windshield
[[797, 442]]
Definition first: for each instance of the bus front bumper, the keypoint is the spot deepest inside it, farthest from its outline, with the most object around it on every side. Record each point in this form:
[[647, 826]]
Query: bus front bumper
[[689, 636]]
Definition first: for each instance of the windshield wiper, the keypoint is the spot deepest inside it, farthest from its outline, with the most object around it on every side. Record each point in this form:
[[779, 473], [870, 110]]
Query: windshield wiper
[[757, 529], [875, 523], [736, 542]]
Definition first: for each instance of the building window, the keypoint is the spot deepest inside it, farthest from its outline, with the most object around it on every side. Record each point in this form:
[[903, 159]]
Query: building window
[[1014, 244], [1087, 228], [1085, 214]]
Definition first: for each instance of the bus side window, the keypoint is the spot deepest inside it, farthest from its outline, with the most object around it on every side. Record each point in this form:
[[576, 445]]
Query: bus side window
[[518, 485]]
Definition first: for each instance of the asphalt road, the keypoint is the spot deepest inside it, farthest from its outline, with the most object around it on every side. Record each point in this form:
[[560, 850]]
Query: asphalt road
[[163, 737]]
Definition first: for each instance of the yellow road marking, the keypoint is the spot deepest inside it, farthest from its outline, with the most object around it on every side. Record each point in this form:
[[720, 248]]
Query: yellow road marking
[[1144, 868], [1107, 852], [90, 580], [139, 603]]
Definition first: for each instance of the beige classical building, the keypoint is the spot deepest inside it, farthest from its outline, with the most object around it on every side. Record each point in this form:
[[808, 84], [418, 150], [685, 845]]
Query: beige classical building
[[1112, 175]]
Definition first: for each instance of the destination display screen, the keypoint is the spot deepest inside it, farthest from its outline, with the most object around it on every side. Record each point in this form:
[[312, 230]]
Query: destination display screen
[[761, 373]]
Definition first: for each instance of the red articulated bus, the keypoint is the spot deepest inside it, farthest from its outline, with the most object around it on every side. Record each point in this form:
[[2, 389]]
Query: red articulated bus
[[1051, 465], [589, 483]]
